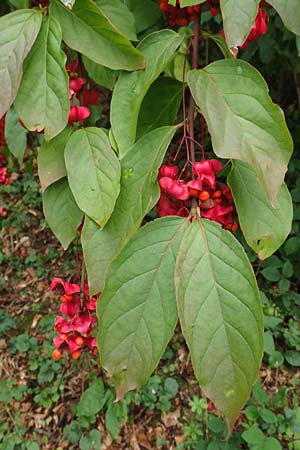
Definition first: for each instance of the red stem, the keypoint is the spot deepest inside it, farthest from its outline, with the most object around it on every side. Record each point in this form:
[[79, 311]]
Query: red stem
[[191, 118]]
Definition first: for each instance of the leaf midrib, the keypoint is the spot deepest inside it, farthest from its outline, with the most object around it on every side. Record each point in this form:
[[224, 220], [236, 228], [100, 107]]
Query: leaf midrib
[[154, 278], [217, 292]]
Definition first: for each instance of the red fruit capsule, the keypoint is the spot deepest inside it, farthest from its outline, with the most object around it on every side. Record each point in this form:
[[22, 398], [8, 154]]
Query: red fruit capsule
[[56, 355]]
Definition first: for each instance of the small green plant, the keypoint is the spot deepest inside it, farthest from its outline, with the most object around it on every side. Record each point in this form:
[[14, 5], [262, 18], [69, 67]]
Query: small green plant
[[7, 322], [157, 393]]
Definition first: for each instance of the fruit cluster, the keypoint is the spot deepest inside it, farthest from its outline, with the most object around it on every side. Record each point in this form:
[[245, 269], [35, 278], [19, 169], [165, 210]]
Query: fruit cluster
[[78, 93], [182, 16], [214, 200], [77, 323], [178, 16], [4, 179]]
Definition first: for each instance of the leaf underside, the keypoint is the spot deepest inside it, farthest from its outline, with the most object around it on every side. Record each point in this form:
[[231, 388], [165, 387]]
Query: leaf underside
[[42, 101], [220, 314], [267, 228], [18, 31], [137, 310], [139, 193], [93, 173], [243, 121]]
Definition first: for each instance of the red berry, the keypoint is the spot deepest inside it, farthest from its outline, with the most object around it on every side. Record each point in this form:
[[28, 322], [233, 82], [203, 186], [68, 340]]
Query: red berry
[[217, 194], [76, 354], [234, 227], [204, 195], [79, 340]]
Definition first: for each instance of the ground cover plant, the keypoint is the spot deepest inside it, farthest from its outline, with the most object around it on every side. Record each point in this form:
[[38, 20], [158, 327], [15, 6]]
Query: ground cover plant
[[161, 154]]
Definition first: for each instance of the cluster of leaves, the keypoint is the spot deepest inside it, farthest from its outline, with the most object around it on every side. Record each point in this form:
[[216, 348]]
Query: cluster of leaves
[[171, 267]]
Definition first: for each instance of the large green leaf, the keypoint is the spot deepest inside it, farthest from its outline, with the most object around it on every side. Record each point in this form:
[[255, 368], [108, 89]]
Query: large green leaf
[[43, 98], [120, 16], [100, 74], [289, 13], [61, 211], [139, 193], [158, 49], [87, 30], [138, 310], [146, 13], [238, 19], [15, 135], [220, 41], [93, 173], [160, 105], [220, 314], [18, 31], [51, 160], [243, 121], [265, 228]]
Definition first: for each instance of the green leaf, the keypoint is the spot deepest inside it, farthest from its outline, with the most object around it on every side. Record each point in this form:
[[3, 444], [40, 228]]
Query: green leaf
[[243, 121], [138, 308], [114, 417], [220, 314], [185, 3], [269, 346], [91, 442], [260, 395], [271, 443], [266, 230], [93, 173], [131, 88], [268, 416], [253, 435], [15, 135], [276, 359], [120, 16], [87, 30], [160, 105], [43, 98], [61, 212], [293, 358], [51, 161], [238, 19], [100, 74], [271, 274], [146, 13], [139, 193], [20, 4], [92, 400], [221, 43], [289, 13], [18, 31]]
